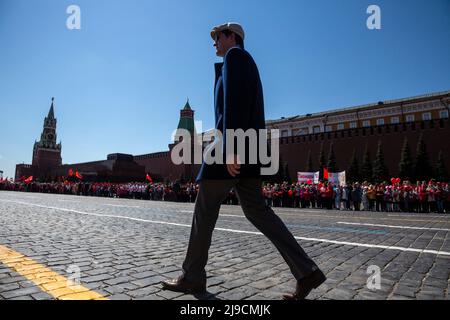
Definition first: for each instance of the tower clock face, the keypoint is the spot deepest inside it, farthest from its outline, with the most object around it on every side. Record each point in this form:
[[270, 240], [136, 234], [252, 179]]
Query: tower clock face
[[49, 136]]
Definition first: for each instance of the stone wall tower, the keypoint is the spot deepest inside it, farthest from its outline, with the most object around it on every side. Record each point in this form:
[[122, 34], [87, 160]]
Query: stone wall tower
[[46, 152], [185, 172]]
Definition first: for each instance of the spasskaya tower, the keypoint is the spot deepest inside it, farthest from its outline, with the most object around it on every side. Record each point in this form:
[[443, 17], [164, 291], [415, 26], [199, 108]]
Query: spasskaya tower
[[46, 152]]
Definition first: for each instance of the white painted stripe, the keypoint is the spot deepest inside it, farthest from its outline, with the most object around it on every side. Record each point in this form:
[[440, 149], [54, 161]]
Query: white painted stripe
[[296, 212], [367, 245], [302, 213], [221, 214], [355, 244], [232, 215], [120, 205], [105, 204], [96, 214], [419, 216], [360, 217], [392, 226]]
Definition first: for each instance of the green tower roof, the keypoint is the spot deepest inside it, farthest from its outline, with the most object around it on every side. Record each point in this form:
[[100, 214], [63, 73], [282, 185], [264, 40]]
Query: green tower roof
[[187, 106], [186, 123], [186, 118]]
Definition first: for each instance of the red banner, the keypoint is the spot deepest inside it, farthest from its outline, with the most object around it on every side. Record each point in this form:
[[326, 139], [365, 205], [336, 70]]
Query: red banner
[[29, 179]]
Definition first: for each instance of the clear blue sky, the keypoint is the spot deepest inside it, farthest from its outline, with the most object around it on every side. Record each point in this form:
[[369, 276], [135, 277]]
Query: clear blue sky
[[120, 81]]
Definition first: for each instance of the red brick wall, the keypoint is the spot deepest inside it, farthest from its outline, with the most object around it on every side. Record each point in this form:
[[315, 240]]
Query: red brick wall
[[294, 150], [46, 160]]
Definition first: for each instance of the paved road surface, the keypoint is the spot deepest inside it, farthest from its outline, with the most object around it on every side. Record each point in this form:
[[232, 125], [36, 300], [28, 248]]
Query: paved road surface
[[122, 249]]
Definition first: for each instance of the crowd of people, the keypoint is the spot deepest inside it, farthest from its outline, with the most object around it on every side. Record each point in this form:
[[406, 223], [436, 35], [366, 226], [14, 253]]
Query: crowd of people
[[422, 197], [133, 190]]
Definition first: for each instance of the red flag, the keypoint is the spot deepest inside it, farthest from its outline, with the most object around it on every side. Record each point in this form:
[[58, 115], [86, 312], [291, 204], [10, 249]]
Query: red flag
[[70, 173], [325, 173], [78, 175], [29, 179], [148, 178], [309, 181]]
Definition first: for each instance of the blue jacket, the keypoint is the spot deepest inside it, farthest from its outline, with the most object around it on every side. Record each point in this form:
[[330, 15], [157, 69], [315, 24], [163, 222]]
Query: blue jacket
[[238, 103]]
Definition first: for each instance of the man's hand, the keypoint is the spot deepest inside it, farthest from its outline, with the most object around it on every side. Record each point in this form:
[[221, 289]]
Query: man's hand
[[233, 164]]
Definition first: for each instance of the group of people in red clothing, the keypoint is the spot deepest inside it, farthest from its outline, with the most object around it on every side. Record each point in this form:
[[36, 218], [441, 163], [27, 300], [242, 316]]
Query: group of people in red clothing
[[397, 196]]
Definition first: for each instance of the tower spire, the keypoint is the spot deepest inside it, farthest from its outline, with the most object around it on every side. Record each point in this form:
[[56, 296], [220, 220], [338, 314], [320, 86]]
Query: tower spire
[[186, 118], [187, 105], [51, 113]]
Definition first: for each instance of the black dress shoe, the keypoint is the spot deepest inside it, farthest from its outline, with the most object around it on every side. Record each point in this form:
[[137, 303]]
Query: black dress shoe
[[305, 286], [180, 284]]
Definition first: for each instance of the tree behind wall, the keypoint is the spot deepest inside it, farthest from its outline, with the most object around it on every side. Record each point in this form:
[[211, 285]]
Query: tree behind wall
[[331, 163], [441, 171], [380, 170], [353, 174], [406, 164], [366, 169], [422, 168]]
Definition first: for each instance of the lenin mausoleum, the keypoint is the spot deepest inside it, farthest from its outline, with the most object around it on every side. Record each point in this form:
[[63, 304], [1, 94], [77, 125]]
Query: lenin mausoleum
[[346, 133]]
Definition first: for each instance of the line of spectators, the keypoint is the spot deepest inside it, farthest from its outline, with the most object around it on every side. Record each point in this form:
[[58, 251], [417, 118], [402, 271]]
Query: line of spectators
[[132, 190], [421, 197]]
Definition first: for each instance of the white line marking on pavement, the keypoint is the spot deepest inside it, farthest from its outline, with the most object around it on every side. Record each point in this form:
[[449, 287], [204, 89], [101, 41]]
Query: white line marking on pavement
[[419, 215], [95, 214], [302, 215], [359, 217], [392, 226], [220, 215], [120, 205], [294, 212], [105, 204], [354, 244]]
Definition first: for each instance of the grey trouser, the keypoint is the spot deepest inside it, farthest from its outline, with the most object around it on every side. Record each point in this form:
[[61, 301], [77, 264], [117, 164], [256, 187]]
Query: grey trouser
[[210, 196]]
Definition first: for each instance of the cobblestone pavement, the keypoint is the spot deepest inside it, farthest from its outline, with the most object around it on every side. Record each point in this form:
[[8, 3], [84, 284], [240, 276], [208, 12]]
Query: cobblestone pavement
[[124, 248]]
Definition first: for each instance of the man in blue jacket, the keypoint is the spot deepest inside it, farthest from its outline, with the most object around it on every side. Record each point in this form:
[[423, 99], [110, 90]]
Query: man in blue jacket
[[238, 102]]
